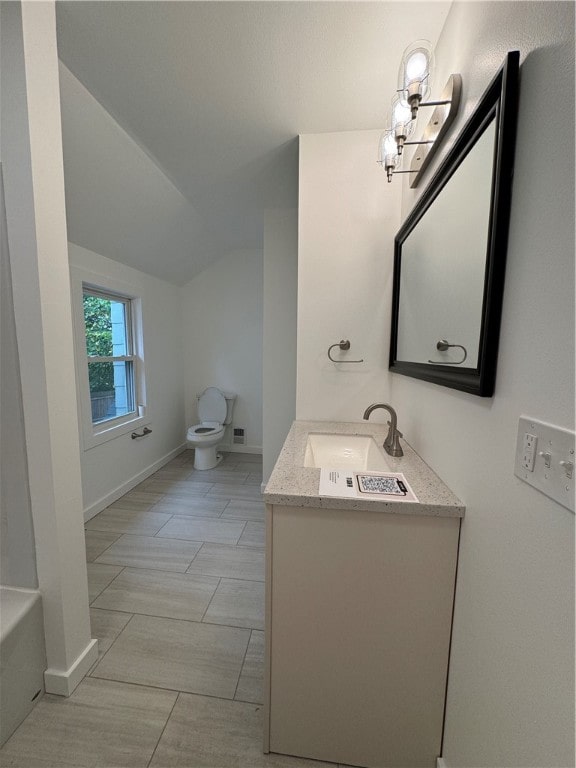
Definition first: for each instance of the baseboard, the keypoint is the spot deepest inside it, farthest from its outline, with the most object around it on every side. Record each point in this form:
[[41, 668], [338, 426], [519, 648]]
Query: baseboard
[[441, 763], [64, 682], [230, 447], [118, 492]]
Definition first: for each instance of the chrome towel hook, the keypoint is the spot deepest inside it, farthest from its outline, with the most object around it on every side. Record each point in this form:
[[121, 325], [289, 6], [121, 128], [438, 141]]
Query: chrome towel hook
[[344, 345], [442, 346], [145, 431]]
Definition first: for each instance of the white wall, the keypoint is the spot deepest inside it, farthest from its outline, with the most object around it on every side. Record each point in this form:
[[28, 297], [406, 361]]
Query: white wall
[[222, 333], [31, 153], [17, 554], [348, 215], [511, 692], [511, 688], [112, 468], [279, 331]]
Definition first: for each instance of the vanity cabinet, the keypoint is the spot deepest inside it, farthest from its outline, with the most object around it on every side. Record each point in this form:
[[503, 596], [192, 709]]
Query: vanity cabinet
[[358, 621]]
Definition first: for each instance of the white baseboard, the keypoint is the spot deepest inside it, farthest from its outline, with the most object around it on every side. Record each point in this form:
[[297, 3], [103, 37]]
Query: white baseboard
[[63, 682], [118, 492], [230, 447], [441, 763]]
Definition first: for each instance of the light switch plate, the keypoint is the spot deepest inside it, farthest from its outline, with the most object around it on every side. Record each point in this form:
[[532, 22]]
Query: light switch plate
[[554, 447]]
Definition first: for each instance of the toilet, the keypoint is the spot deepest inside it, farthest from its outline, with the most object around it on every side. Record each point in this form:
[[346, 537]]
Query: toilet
[[215, 412]]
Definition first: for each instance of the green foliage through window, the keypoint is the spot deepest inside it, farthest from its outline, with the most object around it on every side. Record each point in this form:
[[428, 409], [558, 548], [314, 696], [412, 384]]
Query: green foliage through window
[[98, 322]]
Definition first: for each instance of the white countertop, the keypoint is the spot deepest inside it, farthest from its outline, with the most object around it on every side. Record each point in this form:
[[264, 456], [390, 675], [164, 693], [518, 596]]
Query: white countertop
[[293, 484]]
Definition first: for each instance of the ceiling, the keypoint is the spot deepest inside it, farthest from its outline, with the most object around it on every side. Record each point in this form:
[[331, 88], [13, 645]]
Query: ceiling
[[180, 119]]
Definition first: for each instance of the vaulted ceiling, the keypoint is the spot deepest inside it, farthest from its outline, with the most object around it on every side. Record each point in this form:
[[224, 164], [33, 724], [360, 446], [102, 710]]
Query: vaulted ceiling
[[180, 119]]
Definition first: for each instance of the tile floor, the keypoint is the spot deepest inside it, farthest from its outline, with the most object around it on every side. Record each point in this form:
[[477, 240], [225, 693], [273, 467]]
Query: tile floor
[[176, 584]]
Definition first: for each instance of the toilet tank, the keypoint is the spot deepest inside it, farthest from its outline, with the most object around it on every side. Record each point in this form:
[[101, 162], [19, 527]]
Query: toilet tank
[[230, 398]]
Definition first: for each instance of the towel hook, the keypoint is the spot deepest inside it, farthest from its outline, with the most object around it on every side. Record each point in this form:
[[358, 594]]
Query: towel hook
[[344, 345], [442, 346], [145, 431]]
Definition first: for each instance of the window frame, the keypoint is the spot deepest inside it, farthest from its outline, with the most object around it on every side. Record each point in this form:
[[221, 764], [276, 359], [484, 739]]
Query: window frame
[[94, 434]]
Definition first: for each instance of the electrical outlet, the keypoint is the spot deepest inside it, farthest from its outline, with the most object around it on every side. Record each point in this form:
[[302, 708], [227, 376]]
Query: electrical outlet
[[529, 451], [545, 459]]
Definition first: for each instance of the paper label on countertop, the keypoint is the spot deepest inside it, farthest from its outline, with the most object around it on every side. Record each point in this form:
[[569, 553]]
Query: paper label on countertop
[[388, 486]]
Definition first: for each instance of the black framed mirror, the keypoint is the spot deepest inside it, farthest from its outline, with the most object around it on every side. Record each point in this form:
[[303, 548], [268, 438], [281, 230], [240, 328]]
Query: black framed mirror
[[450, 253]]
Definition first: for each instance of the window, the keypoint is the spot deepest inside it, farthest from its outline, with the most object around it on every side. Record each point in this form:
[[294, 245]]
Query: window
[[110, 352], [110, 367]]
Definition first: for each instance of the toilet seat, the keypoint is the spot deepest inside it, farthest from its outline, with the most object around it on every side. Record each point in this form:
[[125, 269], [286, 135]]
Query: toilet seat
[[205, 431], [205, 436], [212, 406]]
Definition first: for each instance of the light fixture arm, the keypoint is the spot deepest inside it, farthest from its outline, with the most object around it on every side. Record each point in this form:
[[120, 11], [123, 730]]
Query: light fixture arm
[[430, 141], [435, 103], [440, 120]]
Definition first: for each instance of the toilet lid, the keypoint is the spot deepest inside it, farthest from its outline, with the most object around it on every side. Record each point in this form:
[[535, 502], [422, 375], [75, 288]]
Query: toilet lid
[[212, 405]]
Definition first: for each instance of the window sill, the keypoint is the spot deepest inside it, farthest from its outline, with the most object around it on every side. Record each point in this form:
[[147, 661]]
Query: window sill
[[114, 431]]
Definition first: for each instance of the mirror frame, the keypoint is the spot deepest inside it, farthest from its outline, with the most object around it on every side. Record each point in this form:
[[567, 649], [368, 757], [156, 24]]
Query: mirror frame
[[499, 102]]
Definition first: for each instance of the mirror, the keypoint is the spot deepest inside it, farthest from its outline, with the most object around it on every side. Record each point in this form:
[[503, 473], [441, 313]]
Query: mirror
[[450, 252]]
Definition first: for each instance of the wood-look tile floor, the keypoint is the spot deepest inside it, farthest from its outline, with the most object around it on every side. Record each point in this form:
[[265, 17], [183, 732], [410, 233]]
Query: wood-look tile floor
[[176, 586]]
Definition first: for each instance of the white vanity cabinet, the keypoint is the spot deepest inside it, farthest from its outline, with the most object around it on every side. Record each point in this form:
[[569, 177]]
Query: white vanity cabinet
[[358, 622]]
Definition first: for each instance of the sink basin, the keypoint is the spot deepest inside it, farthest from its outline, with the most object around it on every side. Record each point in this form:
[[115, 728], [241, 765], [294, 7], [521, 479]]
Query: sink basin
[[359, 452]]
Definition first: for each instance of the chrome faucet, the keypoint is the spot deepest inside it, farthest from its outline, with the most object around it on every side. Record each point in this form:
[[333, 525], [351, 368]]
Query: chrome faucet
[[392, 442]]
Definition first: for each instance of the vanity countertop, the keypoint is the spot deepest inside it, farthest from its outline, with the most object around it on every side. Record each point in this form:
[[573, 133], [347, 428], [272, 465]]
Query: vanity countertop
[[292, 484]]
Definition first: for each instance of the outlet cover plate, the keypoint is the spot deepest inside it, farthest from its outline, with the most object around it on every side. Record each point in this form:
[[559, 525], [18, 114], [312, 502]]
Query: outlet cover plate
[[558, 442]]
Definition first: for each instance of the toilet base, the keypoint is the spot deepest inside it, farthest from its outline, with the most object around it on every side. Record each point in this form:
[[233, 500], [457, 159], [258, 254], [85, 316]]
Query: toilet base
[[206, 458]]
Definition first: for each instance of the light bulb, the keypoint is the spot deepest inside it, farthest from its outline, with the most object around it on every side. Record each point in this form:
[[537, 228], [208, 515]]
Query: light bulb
[[400, 112], [389, 158], [416, 66], [402, 123], [390, 144], [415, 74]]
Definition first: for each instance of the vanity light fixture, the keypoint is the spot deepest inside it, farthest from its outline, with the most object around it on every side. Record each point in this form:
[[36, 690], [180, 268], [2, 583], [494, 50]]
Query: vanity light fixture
[[415, 74], [402, 121], [388, 155], [414, 85]]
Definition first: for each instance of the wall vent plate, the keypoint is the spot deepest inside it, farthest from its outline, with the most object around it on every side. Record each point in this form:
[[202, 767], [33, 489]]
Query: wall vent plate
[[239, 437], [545, 459]]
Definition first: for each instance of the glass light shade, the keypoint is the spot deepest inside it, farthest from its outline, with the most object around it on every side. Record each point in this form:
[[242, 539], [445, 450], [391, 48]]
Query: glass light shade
[[388, 156], [416, 68], [387, 146], [401, 116]]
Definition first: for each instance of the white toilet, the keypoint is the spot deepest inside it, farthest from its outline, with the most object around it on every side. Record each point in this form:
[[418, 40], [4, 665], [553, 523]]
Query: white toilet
[[215, 412]]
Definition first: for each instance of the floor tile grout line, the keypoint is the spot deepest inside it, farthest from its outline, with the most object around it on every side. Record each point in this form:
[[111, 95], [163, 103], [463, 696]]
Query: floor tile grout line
[[210, 603], [153, 568], [104, 550], [163, 729], [101, 658], [164, 526], [175, 690], [103, 530], [200, 548], [160, 570], [149, 536], [205, 541], [122, 568], [242, 665], [131, 567], [241, 533], [175, 618]]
